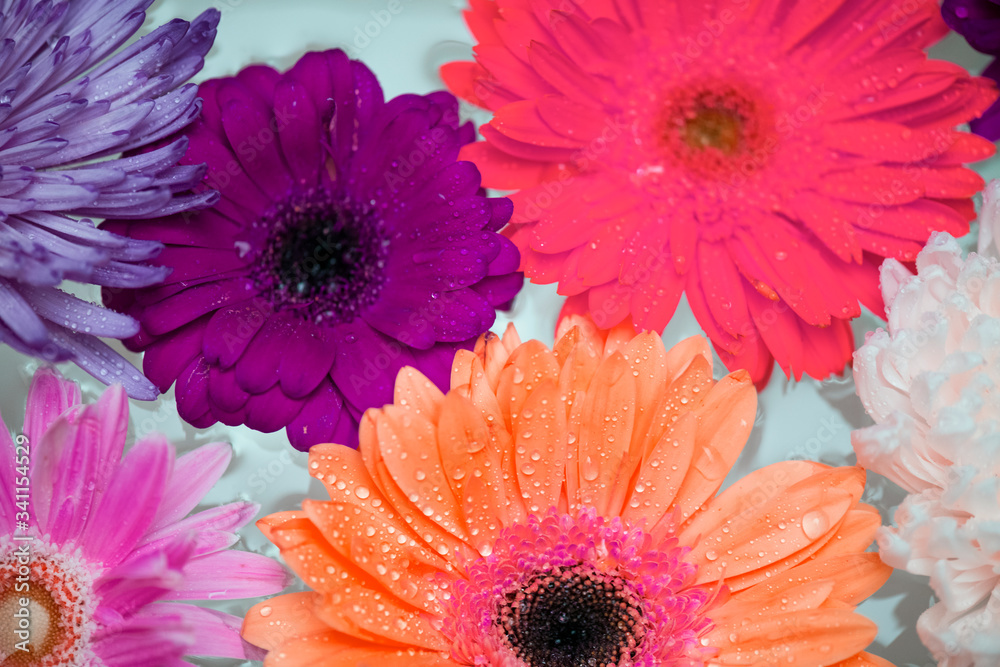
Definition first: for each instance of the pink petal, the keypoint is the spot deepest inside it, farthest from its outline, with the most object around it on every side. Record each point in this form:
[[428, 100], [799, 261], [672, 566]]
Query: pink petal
[[49, 396], [132, 499], [142, 579], [214, 529], [8, 478], [228, 575], [194, 474], [150, 641], [216, 634]]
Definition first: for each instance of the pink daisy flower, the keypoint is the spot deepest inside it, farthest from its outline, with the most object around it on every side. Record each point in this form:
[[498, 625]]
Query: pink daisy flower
[[760, 156], [97, 552]]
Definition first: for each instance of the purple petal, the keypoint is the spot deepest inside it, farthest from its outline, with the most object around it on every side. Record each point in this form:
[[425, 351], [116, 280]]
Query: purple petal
[[165, 361], [224, 391], [78, 315], [315, 352], [243, 118], [192, 394], [192, 303], [298, 122], [17, 314], [231, 329], [319, 418], [257, 370], [271, 411], [103, 363]]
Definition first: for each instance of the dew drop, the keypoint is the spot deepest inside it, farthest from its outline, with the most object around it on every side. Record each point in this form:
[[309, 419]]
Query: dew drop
[[814, 524]]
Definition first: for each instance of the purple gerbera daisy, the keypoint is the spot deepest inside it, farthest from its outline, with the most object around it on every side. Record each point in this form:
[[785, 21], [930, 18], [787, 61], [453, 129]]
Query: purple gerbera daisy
[[349, 242], [97, 552], [979, 22], [68, 108]]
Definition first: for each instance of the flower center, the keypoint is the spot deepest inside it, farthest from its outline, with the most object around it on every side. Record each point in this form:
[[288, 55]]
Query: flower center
[[46, 606], [716, 128], [578, 591], [573, 617], [323, 257]]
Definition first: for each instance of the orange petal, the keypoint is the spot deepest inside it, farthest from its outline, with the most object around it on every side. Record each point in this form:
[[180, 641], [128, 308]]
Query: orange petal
[[661, 473], [468, 456], [817, 638], [333, 649], [416, 392], [619, 336], [725, 421], [379, 545], [540, 448], [793, 520], [344, 475], [746, 498], [605, 433], [271, 521], [682, 395], [855, 577], [409, 448], [681, 355], [381, 618], [795, 598], [271, 622], [648, 359], [855, 534], [578, 367], [306, 551], [528, 366], [374, 424]]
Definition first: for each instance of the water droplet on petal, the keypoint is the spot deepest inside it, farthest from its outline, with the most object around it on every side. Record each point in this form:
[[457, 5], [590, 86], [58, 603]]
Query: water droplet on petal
[[815, 524]]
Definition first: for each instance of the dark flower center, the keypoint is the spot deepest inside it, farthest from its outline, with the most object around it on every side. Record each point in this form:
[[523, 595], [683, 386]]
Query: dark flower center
[[716, 128], [573, 617], [324, 257]]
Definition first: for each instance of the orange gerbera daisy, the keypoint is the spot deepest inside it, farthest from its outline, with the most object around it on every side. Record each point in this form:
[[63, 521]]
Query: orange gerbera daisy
[[558, 508]]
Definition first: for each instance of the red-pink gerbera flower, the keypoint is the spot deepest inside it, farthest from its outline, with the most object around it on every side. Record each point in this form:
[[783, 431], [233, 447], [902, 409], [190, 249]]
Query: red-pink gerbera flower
[[761, 156]]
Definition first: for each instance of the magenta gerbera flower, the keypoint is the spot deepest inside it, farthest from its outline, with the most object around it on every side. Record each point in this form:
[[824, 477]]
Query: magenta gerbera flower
[[979, 22], [348, 243], [99, 553], [70, 105], [760, 158]]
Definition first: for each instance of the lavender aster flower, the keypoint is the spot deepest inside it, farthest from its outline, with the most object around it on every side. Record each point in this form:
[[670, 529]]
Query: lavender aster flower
[[69, 106], [349, 242]]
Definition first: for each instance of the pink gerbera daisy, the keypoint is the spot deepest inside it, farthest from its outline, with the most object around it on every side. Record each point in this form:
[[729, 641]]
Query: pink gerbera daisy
[[97, 553], [760, 156]]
